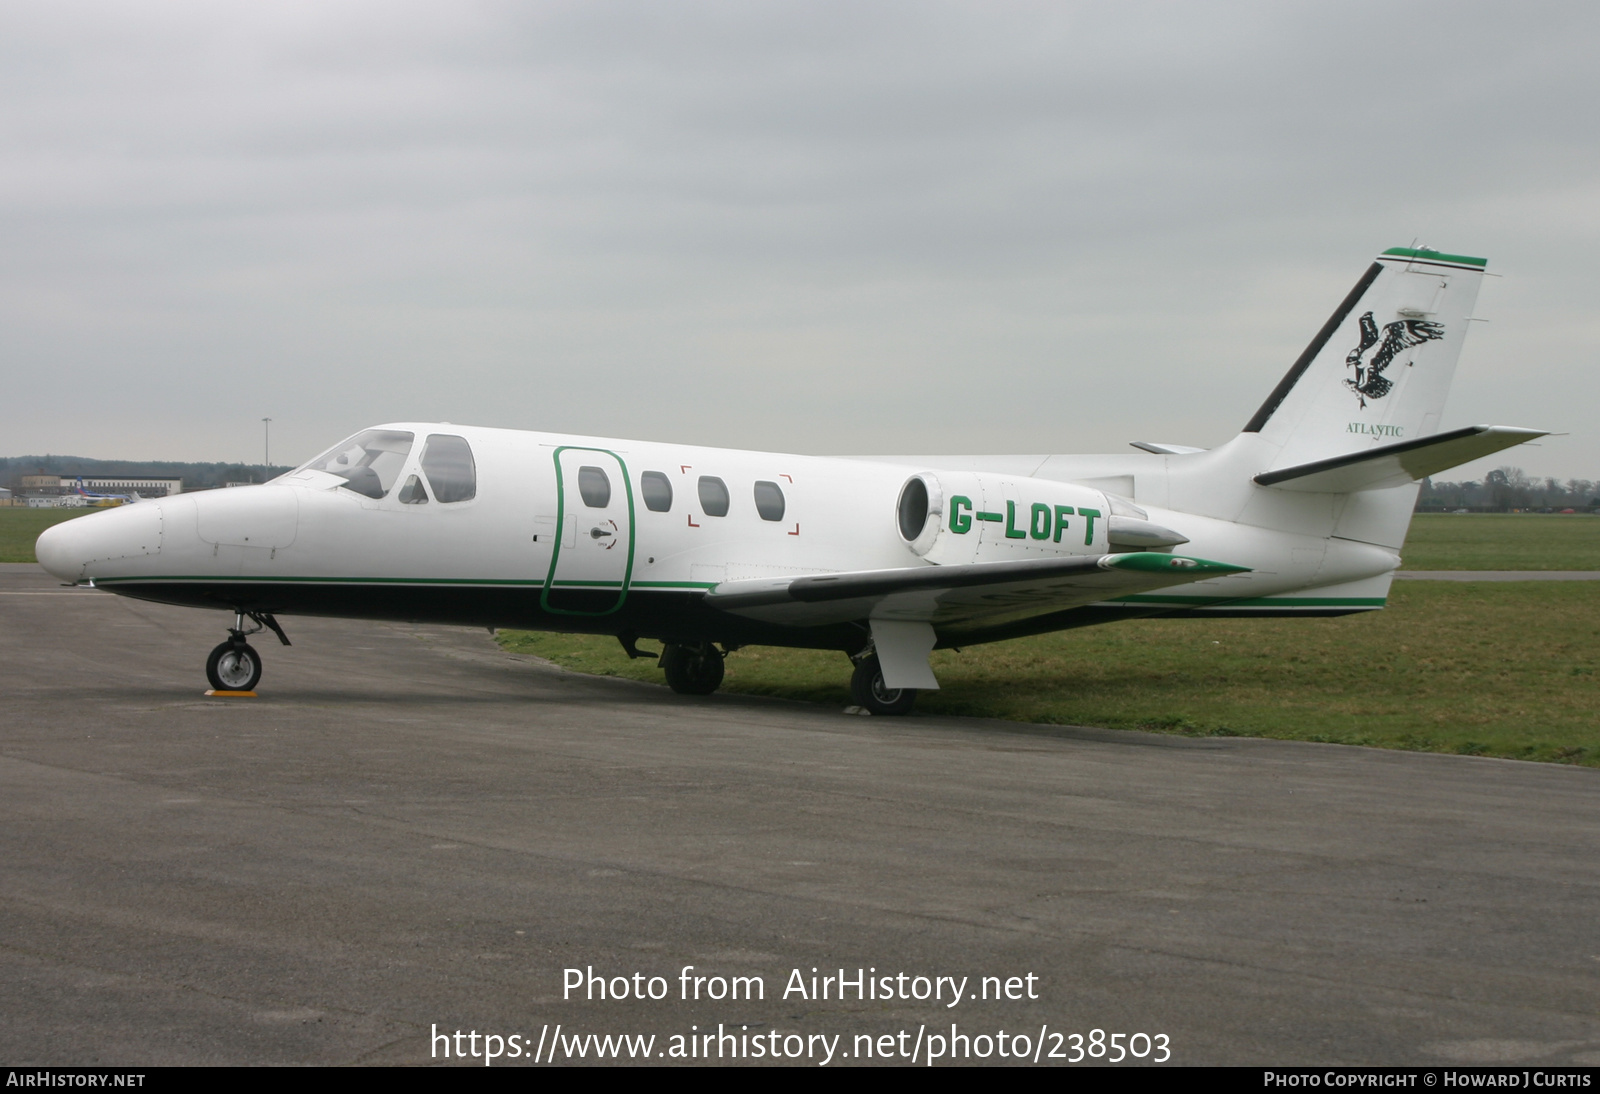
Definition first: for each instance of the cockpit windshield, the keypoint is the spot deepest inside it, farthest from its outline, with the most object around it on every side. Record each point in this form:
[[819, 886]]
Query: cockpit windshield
[[369, 462]]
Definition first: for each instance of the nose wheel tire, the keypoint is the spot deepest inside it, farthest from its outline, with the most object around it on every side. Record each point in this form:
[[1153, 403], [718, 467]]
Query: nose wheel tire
[[234, 666], [692, 670], [867, 686]]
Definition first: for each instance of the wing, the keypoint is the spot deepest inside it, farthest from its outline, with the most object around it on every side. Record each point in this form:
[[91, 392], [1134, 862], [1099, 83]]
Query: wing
[[960, 596]]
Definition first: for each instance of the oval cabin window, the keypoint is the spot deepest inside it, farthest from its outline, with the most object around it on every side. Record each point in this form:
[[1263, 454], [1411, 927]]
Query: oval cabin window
[[769, 500], [594, 487], [713, 496], [657, 491]]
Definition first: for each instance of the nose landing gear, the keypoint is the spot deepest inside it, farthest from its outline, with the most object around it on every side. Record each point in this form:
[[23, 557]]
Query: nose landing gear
[[235, 665]]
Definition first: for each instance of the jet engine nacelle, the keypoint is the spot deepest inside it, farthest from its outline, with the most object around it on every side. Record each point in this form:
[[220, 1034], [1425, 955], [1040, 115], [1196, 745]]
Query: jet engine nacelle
[[952, 518]]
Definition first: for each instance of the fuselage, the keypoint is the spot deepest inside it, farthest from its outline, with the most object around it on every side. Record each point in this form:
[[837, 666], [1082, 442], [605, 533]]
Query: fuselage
[[505, 528]]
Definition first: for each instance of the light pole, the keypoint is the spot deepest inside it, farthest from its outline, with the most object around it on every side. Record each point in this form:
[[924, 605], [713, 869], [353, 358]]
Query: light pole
[[266, 448]]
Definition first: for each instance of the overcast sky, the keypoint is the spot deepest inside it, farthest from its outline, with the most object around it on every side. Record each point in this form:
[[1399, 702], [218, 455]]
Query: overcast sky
[[818, 227]]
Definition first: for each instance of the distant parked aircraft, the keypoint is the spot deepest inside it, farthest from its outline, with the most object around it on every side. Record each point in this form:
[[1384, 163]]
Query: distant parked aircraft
[[118, 499]]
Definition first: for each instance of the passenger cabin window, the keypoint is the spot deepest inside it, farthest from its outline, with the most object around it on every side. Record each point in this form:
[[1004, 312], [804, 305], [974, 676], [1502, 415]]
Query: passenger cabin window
[[713, 496], [413, 492], [594, 487], [448, 464], [769, 501], [657, 491], [369, 463]]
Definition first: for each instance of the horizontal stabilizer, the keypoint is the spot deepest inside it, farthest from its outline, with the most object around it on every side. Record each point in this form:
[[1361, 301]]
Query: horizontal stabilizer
[[1400, 463], [943, 595], [1166, 449]]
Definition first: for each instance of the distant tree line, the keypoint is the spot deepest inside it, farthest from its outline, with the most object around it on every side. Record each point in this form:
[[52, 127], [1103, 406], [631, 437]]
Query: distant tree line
[[1506, 489], [195, 476]]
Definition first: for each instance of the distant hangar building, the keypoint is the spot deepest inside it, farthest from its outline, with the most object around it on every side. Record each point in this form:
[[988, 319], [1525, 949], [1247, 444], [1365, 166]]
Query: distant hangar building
[[61, 491], [145, 488], [58, 484]]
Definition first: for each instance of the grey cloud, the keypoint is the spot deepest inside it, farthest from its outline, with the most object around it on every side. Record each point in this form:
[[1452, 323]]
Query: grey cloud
[[821, 226]]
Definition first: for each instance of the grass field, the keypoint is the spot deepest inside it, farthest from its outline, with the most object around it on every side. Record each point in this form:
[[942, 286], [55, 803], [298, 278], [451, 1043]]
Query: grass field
[[1481, 669], [20, 527], [1496, 541]]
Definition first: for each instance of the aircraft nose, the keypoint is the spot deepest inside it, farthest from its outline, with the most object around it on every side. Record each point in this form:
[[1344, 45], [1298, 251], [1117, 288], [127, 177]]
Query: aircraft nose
[[69, 549], [62, 549]]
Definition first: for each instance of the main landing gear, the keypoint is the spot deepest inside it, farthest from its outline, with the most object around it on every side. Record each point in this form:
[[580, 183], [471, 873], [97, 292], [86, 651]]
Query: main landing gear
[[693, 670], [697, 670], [235, 665], [867, 687]]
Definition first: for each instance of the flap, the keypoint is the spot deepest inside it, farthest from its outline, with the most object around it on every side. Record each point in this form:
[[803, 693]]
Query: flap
[[1398, 464], [988, 592]]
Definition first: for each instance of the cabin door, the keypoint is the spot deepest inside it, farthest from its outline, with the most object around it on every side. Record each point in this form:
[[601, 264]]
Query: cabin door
[[593, 557]]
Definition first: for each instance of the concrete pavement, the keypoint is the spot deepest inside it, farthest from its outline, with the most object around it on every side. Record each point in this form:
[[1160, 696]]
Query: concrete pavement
[[412, 831]]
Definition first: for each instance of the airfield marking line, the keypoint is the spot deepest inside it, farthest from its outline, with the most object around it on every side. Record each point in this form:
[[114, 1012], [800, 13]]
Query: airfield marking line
[[49, 593]]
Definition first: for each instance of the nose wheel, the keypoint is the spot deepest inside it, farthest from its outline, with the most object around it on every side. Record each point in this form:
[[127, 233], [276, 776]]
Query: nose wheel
[[235, 665]]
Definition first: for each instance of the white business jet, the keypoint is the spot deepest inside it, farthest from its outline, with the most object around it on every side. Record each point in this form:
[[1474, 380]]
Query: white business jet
[[707, 549]]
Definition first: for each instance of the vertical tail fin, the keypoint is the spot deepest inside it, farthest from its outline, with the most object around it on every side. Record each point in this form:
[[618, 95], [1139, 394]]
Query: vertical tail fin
[[1380, 368]]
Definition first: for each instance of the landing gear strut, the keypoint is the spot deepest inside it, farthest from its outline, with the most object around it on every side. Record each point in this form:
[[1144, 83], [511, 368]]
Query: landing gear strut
[[866, 685], [235, 665], [693, 670]]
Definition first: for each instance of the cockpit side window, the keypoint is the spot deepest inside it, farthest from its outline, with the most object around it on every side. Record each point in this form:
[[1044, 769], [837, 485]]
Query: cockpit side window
[[369, 462], [448, 464], [413, 492]]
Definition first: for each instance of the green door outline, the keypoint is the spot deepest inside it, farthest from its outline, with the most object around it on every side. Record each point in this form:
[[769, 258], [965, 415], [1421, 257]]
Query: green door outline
[[561, 527]]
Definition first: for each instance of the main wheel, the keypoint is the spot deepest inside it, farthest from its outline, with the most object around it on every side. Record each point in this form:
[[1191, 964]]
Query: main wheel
[[691, 670], [234, 666], [866, 684]]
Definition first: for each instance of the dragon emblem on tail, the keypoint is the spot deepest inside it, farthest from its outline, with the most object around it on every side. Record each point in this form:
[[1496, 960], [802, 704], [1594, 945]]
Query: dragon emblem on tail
[[1402, 334]]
